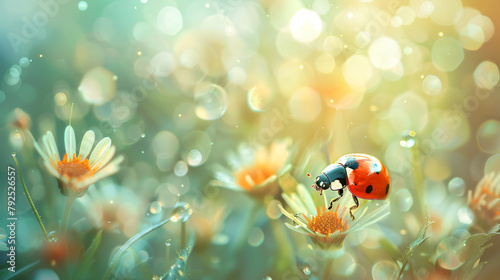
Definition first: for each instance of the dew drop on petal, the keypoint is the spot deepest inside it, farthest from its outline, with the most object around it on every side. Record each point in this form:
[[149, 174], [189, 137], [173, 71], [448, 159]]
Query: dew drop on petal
[[210, 101], [456, 186], [431, 85], [384, 270]]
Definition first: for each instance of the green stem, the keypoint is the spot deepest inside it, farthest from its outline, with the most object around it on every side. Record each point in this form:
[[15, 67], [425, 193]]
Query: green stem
[[183, 234], [248, 224], [29, 197], [419, 180], [286, 255], [67, 210], [328, 267]]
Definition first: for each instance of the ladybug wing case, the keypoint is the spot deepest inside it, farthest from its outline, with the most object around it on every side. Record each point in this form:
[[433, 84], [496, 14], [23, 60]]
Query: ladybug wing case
[[367, 176]]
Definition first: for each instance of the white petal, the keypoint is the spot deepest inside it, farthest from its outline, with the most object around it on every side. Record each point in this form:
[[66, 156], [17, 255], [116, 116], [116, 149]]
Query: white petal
[[306, 198], [100, 151], [52, 144], [87, 143], [42, 153], [70, 141], [109, 155], [108, 170]]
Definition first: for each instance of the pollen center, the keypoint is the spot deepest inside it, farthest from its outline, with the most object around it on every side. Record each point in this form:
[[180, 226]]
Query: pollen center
[[326, 222], [74, 167]]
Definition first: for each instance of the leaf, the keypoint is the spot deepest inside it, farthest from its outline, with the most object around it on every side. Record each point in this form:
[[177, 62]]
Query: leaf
[[472, 252], [20, 271], [129, 243], [88, 257], [408, 253], [178, 270]]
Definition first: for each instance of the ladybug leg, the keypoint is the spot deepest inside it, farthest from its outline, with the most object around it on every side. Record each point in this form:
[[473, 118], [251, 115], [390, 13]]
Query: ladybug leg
[[341, 193], [354, 207]]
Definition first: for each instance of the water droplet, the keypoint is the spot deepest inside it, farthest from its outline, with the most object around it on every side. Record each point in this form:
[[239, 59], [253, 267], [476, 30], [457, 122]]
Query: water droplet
[[155, 207], [408, 139], [267, 278], [168, 243], [456, 186], [210, 101], [52, 236], [307, 270], [83, 5], [13, 154], [259, 98], [448, 251], [143, 135], [431, 85], [181, 212], [157, 277], [384, 270], [403, 199], [181, 168]]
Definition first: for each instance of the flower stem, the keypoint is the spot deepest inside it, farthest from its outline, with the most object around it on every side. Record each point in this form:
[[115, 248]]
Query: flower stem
[[29, 197], [247, 225], [183, 234], [328, 267], [67, 210]]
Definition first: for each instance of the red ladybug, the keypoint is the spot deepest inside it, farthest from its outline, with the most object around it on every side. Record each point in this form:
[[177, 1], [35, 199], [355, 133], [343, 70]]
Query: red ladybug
[[364, 175]]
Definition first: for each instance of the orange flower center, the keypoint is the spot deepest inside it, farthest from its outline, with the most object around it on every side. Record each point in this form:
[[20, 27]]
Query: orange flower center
[[74, 167], [326, 222], [254, 175]]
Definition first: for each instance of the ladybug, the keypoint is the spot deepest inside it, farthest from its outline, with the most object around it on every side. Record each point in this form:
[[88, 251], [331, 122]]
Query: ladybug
[[364, 175]]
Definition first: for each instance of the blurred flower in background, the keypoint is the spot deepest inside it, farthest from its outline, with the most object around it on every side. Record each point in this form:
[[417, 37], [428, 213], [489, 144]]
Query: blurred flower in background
[[484, 202], [256, 169]]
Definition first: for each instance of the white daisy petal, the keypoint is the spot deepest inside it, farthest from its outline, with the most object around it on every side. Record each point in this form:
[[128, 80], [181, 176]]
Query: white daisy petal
[[109, 155], [306, 198], [99, 151], [70, 141], [87, 143], [53, 147]]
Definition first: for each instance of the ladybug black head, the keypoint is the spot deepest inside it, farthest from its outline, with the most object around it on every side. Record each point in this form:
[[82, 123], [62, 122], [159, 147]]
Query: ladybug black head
[[321, 183]]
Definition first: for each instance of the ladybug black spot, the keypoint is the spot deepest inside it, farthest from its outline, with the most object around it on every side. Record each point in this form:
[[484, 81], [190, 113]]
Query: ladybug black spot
[[387, 189], [369, 189]]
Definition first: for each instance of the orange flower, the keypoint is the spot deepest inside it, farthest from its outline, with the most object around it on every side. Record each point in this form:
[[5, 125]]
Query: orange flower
[[257, 170], [485, 202], [328, 229]]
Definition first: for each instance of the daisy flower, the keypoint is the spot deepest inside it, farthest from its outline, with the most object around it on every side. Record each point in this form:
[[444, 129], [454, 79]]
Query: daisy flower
[[256, 170], [485, 201], [328, 229], [113, 208], [76, 173]]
